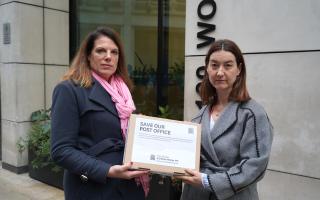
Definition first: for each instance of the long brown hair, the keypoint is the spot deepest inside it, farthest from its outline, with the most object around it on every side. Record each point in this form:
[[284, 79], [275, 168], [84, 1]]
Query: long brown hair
[[239, 91], [80, 70]]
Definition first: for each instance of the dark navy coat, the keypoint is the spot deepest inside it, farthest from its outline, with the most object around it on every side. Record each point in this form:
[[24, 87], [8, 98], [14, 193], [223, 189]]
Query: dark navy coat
[[86, 141]]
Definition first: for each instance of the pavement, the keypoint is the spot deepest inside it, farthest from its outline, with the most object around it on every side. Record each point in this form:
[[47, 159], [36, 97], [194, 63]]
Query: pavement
[[21, 187]]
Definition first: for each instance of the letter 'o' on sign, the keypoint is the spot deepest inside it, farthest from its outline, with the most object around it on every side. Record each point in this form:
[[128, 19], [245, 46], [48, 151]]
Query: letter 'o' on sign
[[200, 72], [198, 87], [207, 16]]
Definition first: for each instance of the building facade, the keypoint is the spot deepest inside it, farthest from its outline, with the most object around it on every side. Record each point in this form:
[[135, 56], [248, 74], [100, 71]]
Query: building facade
[[165, 43], [281, 48]]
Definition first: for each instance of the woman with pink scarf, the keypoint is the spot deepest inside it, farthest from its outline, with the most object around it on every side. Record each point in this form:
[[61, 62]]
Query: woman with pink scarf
[[90, 112]]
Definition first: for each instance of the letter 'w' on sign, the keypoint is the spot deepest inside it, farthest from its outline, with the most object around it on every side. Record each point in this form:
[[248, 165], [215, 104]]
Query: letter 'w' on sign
[[202, 34]]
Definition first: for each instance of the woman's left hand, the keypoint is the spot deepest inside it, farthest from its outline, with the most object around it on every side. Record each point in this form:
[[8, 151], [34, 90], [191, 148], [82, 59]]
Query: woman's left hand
[[193, 177]]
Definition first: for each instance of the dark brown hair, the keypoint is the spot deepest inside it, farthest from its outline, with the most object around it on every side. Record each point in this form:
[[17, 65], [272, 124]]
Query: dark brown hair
[[239, 91], [80, 70]]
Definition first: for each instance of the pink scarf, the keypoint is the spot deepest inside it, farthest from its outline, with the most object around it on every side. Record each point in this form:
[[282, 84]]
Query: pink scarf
[[122, 98]]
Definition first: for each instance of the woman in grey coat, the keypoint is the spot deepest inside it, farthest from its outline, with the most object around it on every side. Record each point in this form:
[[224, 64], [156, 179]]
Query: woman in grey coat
[[236, 132]]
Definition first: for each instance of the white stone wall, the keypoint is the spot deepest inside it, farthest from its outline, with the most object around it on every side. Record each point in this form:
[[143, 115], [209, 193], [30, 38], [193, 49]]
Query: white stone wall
[[56, 18], [281, 43], [29, 66]]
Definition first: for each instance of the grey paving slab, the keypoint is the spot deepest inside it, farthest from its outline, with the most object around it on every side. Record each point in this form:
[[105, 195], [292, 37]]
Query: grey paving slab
[[22, 187]]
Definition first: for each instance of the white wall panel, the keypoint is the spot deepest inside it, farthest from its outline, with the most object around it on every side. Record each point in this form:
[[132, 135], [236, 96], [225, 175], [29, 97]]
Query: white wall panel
[[257, 25], [26, 33], [22, 88], [57, 4], [190, 82], [33, 2], [11, 134], [53, 77], [56, 37], [280, 186], [287, 85]]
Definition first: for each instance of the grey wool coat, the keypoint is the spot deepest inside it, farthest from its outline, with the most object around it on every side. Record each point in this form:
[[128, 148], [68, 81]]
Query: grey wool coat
[[234, 154]]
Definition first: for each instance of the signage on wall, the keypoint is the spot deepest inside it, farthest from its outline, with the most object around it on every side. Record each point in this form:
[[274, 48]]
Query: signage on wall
[[6, 33], [205, 29]]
